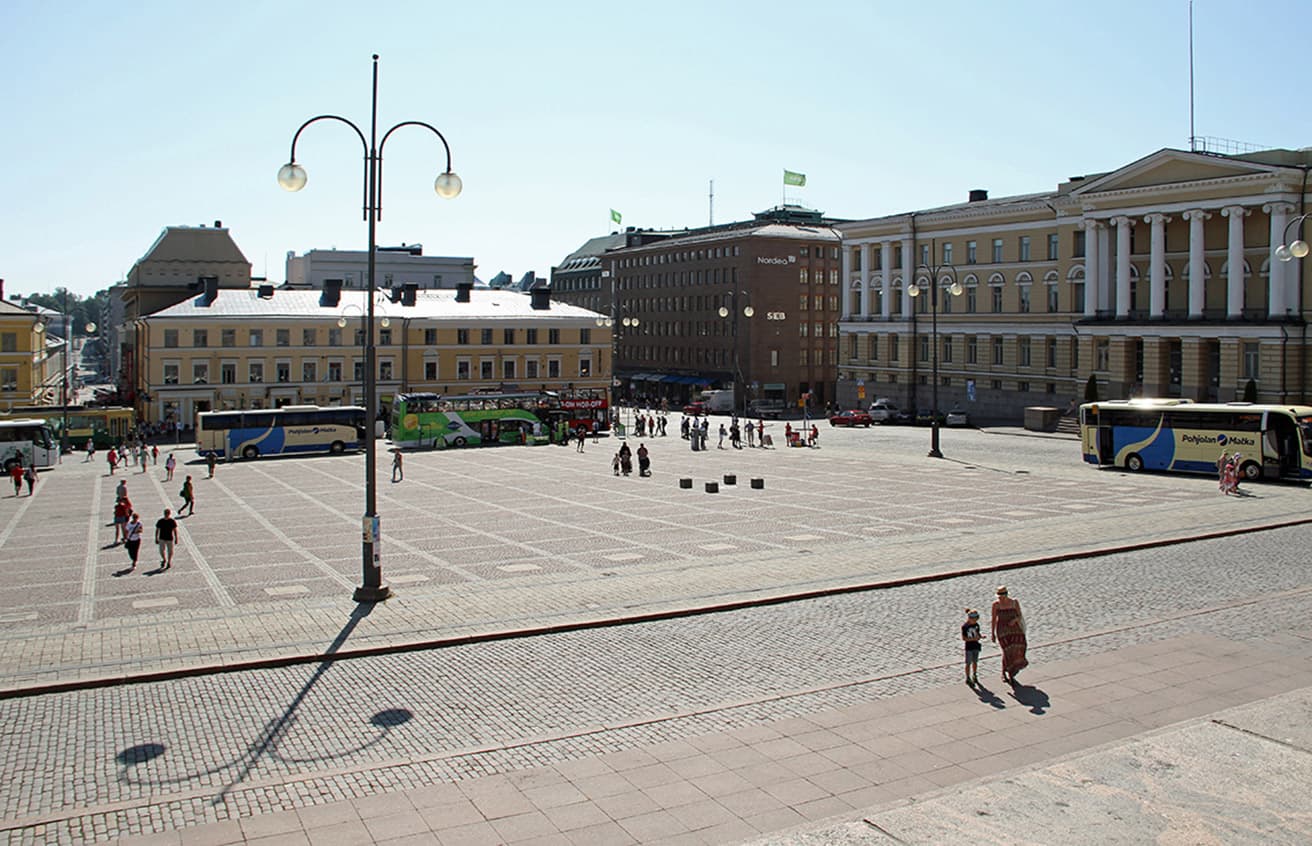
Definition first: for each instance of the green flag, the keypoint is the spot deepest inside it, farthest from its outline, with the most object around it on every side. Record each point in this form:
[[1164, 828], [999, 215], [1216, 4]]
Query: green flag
[[798, 179], [615, 216]]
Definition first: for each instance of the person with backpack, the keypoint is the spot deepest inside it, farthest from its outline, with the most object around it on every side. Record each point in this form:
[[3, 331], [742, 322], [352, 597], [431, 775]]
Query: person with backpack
[[188, 494]]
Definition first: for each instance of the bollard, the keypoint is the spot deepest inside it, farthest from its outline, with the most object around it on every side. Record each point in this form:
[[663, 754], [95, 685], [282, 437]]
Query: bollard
[[712, 487], [685, 483], [730, 479], [758, 484]]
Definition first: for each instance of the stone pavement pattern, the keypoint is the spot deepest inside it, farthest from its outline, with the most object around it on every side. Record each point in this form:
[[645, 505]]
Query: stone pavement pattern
[[240, 748], [492, 540]]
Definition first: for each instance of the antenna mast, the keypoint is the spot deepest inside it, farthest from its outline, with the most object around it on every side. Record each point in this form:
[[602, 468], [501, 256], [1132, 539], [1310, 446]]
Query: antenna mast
[[1193, 138], [710, 219]]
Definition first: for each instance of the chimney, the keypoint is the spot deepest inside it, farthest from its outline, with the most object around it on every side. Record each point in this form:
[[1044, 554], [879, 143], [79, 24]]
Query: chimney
[[462, 291], [209, 290], [332, 293], [404, 293], [218, 224], [2, 289], [266, 292], [978, 195], [541, 298]]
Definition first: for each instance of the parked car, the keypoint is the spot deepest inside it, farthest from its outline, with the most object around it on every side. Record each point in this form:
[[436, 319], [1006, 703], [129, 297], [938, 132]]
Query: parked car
[[956, 417], [766, 408], [854, 417], [885, 411], [695, 409]]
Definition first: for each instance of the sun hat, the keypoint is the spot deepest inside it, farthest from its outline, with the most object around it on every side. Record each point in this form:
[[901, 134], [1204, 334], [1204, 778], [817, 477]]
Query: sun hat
[[1002, 590]]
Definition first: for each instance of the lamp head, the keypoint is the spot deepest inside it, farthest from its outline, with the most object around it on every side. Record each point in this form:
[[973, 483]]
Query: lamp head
[[955, 288], [748, 311], [90, 328], [1299, 249], [291, 177], [385, 321], [448, 185], [724, 312], [914, 291], [1283, 253], [341, 322]]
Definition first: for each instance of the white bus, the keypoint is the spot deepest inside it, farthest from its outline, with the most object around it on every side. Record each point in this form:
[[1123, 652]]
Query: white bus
[[27, 441], [291, 429]]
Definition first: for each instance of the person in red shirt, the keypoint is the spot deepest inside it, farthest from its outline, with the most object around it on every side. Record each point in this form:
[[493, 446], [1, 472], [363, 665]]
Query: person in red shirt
[[16, 473], [122, 511]]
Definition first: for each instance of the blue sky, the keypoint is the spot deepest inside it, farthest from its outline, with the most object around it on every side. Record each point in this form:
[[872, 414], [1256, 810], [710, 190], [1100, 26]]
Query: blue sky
[[121, 119]]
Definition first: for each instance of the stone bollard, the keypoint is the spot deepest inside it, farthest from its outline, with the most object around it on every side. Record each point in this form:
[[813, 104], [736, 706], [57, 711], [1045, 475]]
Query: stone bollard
[[686, 484], [730, 479], [712, 487], [758, 484]]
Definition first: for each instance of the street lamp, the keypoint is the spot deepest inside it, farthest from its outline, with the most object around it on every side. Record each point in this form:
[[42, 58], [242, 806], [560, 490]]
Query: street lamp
[[930, 282], [747, 311], [292, 177], [613, 321], [1299, 248]]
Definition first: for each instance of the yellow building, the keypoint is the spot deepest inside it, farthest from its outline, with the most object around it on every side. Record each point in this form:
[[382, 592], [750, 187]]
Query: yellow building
[[1096, 277], [267, 347], [29, 361]]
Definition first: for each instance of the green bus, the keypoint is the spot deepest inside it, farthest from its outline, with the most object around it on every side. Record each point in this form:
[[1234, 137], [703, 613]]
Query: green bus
[[434, 421], [105, 427]]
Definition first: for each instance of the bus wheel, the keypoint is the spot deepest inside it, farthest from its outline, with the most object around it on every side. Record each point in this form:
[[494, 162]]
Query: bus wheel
[[250, 452], [1251, 471], [458, 442], [337, 448], [1134, 462]]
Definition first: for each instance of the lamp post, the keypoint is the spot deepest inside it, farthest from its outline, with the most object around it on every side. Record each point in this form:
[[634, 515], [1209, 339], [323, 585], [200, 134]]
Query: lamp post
[[292, 177], [748, 311], [613, 322], [930, 283], [63, 400], [1299, 248]]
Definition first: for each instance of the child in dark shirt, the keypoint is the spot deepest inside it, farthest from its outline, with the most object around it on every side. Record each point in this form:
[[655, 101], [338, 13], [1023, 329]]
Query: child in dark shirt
[[970, 634]]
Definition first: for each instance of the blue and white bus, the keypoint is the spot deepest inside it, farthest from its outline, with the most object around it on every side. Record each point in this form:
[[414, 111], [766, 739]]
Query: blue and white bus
[[29, 442], [292, 429]]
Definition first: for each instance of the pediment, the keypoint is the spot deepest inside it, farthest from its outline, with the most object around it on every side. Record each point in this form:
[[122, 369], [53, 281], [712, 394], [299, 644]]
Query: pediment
[[1173, 167]]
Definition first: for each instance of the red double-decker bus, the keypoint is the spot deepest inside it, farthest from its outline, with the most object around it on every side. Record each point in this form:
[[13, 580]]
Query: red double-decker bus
[[583, 407]]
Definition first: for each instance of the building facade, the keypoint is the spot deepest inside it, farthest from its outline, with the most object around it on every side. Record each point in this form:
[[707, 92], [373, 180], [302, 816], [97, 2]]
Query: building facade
[[1156, 279], [403, 265], [776, 278], [262, 348], [30, 362]]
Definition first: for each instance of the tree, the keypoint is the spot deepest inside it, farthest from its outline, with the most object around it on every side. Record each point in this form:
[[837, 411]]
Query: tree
[[1250, 391], [1091, 389]]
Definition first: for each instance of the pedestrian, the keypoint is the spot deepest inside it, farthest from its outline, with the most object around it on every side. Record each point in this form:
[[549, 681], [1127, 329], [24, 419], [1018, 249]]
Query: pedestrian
[[736, 435], [644, 460], [91, 450], [29, 476], [398, 474], [210, 461], [814, 439], [1223, 472], [111, 455], [723, 432], [1008, 629], [788, 434], [626, 459], [154, 453], [133, 542], [16, 474], [170, 464], [970, 634], [122, 510], [582, 436], [683, 429], [596, 431], [166, 535], [188, 494], [760, 431], [1236, 464], [615, 464]]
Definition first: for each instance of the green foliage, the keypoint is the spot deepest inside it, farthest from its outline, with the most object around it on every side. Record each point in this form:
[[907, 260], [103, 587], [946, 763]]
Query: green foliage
[[84, 310], [1091, 389]]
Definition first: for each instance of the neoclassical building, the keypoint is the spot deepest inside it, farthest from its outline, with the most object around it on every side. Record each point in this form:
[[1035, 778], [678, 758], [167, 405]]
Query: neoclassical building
[[1157, 278]]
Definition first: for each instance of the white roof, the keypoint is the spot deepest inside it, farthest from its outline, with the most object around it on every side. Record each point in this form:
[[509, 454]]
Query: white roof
[[484, 304]]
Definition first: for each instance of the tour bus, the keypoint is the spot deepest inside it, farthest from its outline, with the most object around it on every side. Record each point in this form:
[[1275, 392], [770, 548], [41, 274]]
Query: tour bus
[[431, 420], [1274, 441], [27, 441], [292, 429], [105, 427]]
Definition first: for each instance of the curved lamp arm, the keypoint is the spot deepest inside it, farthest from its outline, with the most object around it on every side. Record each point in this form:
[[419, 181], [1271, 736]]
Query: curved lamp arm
[[291, 176], [447, 185], [1297, 249]]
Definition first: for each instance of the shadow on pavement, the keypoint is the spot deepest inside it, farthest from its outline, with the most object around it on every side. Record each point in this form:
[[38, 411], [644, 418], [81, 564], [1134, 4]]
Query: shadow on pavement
[[1031, 697]]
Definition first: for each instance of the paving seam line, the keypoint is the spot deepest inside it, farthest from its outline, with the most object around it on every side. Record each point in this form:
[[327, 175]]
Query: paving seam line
[[619, 620], [1264, 737], [155, 800]]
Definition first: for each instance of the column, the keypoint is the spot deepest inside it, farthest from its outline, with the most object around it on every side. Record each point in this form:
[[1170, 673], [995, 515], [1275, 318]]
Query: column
[[1123, 225], [1091, 275], [1104, 268], [1197, 270], [1193, 369], [865, 281], [1156, 367], [908, 278], [847, 281], [886, 268], [1277, 296], [1234, 278], [1157, 265]]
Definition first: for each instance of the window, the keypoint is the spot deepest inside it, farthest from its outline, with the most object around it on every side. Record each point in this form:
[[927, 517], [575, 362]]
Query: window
[[774, 358], [283, 337], [1252, 360], [972, 299], [283, 371], [1024, 291], [228, 337], [585, 368], [255, 372], [585, 336], [308, 337], [309, 371], [430, 371], [803, 302], [485, 337], [553, 368], [997, 250], [9, 378], [334, 337], [1052, 352], [200, 373], [1053, 242], [970, 252], [996, 291], [508, 369], [462, 369], [530, 336], [874, 348], [553, 336], [818, 303], [801, 275], [1023, 352], [257, 338], [508, 337], [228, 372], [947, 254], [1102, 350], [1077, 296], [385, 370], [894, 344], [924, 254], [852, 346], [833, 302], [972, 350], [1077, 244], [1075, 354], [998, 351], [1052, 299], [359, 337], [170, 337], [803, 329], [833, 276], [803, 357], [1024, 248], [947, 348], [334, 371], [385, 337], [357, 369], [200, 338], [1023, 387], [430, 337], [462, 336], [531, 368], [170, 373], [485, 369]]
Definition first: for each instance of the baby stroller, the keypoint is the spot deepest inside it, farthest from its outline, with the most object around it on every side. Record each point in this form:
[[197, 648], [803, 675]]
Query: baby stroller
[[626, 464], [644, 465]]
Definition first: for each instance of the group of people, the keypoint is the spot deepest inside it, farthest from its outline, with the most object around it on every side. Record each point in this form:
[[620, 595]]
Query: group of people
[[1007, 628], [20, 474], [622, 463], [649, 426], [143, 454], [1228, 468], [128, 528], [801, 436]]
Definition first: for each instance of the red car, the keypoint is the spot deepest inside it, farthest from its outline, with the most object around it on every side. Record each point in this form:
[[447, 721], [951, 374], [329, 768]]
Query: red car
[[855, 417], [695, 409]]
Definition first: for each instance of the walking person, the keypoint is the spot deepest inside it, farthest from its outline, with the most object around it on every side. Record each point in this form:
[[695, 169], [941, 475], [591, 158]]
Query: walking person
[[626, 459], [154, 453], [596, 432], [398, 474], [760, 431], [644, 460], [210, 461], [16, 475], [91, 450], [188, 494], [170, 464], [111, 455], [166, 535], [29, 476], [122, 510], [970, 635], [583, 437], [723, 432], [1008, 629], [134, 530]]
